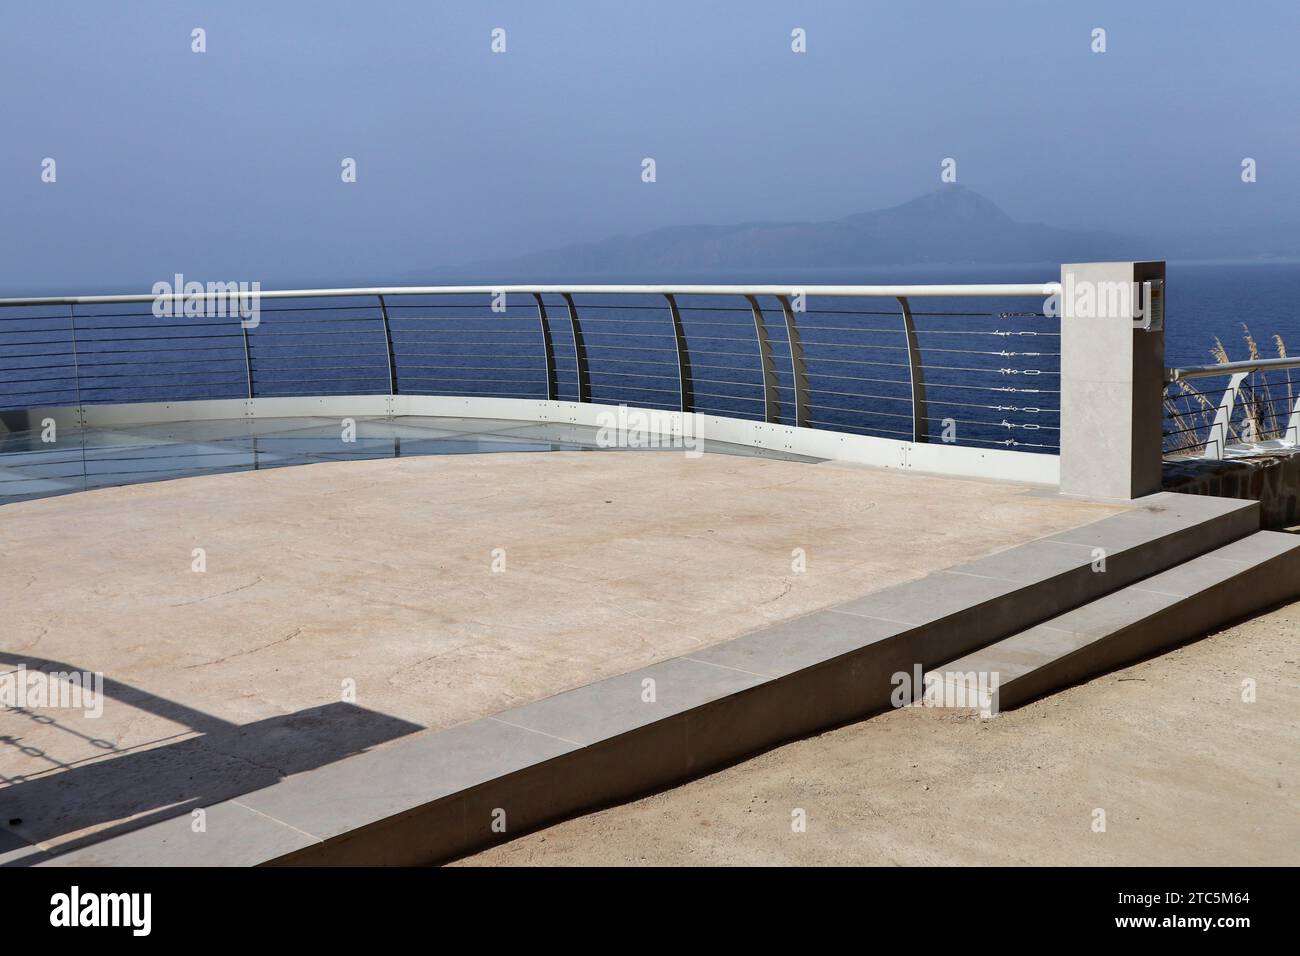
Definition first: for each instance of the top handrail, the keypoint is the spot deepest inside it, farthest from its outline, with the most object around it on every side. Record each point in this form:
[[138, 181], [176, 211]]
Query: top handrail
[[1043, 289], [1228, 368]]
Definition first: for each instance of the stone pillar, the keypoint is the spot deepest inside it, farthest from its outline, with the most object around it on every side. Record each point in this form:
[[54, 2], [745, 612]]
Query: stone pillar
[[1112, 382]]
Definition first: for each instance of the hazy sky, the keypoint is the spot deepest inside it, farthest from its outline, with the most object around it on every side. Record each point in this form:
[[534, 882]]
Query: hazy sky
[[226, 164]]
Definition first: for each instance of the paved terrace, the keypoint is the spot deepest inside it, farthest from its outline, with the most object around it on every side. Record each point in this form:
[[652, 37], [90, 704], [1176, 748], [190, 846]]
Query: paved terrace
[[350, 604]]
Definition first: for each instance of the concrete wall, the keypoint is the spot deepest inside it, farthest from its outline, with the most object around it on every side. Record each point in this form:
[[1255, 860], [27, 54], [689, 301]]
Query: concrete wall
[[1272, 480]]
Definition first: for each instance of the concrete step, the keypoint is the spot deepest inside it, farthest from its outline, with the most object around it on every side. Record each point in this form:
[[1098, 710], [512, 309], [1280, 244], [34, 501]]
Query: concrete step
[[1156, 613], [1073, 567], [969, 605]]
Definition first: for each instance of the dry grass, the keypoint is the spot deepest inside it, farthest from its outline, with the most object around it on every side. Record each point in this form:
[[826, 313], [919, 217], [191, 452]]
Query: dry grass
[[1257, 414]]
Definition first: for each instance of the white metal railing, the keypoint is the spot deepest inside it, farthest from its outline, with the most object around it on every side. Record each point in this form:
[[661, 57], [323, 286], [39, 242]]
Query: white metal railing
[[1257, 410], [1004, 290], [1017, 400]]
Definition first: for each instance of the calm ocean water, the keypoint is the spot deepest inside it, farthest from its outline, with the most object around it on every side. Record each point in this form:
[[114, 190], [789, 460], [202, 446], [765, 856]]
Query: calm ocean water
[[992, 367], [1203, 299]]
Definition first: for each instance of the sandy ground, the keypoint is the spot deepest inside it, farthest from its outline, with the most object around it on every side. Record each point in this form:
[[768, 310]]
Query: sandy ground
[[342, 606], [1186, 772]]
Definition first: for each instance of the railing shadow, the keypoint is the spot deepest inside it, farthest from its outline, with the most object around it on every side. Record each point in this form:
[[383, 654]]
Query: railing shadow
[[141, 787]]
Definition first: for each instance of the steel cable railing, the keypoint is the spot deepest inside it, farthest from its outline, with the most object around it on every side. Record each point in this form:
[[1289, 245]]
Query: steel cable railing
[[1216, 411], [860, 360]]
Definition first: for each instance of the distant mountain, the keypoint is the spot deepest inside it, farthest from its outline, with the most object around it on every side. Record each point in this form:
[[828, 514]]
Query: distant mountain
[[950, 225]]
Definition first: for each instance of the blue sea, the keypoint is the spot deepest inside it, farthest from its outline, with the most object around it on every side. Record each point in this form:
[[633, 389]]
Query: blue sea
[[991, 366]]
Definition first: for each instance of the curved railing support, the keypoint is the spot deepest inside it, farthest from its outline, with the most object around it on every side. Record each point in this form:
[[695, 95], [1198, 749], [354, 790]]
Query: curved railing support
[[579, 351], [248, 357], [552, 387], [1217, 440], [771, 394], [798, 368], [687, 399], [920, 413], [76, 361], [388, 340]]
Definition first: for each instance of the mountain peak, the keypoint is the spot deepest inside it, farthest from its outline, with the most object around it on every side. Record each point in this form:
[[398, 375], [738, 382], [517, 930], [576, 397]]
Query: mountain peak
[[952, 204], [949, 224]]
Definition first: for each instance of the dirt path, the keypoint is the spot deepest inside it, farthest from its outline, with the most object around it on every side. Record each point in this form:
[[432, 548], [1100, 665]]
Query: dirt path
[[1186, 772]]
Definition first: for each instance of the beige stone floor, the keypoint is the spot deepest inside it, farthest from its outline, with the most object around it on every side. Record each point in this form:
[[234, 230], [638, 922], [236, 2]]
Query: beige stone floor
[[345, 604]]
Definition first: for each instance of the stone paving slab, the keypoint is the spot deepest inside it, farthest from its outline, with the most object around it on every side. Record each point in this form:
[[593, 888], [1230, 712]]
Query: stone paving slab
[[435, 795], [348, 605]]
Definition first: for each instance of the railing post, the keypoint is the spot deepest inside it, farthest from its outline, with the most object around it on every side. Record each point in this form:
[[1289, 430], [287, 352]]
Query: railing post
[[771, 395], [1217, 440], [76, 378], [916, 371], [76, 363], [579, 350], [248, 357], [798, 368], [683, 356], [1292, 435], [552, 388], [1112, 381], [388, 342]]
